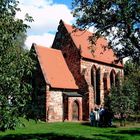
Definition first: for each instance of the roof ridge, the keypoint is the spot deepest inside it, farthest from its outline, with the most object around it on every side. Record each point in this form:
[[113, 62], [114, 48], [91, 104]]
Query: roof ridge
[[61, 21], [52, 49], [81, 38]]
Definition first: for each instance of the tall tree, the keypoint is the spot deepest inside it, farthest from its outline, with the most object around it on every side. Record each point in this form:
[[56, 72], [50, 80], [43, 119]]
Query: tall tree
[[14, 65], [122, 100], [132, 73], [117, 19]]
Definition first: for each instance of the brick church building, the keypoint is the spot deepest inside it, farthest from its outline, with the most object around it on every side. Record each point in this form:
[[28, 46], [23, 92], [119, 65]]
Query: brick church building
[[73, 75]]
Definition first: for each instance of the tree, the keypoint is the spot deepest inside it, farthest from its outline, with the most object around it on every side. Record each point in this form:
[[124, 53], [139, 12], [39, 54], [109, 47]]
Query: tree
[[122, 100], [117, 19], [132, 73], [15, 64]]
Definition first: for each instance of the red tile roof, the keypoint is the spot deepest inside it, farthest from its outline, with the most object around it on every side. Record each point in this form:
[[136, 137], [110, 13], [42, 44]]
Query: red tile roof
[[54, 68], [101, 52]]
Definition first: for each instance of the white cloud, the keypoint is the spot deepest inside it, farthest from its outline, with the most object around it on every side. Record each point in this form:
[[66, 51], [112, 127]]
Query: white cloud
[[46, 17], [36, 2], [43, 40]]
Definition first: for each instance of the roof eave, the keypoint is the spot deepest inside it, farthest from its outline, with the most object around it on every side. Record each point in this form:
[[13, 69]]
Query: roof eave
[[110, 64]]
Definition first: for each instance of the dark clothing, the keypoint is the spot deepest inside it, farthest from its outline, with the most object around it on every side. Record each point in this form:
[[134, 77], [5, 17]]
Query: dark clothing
[[92, 118], [102, 113]]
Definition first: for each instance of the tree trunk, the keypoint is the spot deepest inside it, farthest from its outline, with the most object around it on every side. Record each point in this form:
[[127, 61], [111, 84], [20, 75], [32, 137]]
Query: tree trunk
[[122, 120]]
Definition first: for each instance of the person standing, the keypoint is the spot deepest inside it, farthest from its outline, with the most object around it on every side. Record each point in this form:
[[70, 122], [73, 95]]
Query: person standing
[[101, 113], [97, 116], [92, 117]]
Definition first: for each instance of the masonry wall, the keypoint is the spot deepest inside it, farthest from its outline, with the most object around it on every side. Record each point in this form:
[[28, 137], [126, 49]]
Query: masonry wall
[[86, 67], [59, 107], [81, 70], [72, 57], [54, 106]]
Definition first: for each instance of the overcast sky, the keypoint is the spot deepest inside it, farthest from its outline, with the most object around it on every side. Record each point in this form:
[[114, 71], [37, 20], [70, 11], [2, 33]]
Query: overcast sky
[[46, 15]]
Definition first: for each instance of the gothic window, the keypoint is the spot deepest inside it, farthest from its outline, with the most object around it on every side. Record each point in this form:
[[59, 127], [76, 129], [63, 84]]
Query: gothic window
[[93, 77], [112, 78], [105, 83], [93, 81], [98, 75]]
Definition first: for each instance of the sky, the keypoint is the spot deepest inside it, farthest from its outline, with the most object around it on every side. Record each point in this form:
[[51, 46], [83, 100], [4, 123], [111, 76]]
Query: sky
[[46, 15]]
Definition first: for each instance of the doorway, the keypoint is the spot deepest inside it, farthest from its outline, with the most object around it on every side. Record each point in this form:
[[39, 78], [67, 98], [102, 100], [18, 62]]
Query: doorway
[[75, 112]]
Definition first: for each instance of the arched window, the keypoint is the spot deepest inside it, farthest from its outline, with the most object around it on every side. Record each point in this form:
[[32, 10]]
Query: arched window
[[75, 112], [93, 77], [105, 83], [112, 78], [98, 78], [93, 81]]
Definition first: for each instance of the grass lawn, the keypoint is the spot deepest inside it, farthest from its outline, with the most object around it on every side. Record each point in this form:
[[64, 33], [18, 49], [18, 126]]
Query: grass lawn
[[70, 131]]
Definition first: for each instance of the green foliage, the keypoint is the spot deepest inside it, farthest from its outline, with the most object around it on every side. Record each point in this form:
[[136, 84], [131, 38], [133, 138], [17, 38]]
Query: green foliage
[[119, 19], [15, 65], [123, 99], [132, 73]]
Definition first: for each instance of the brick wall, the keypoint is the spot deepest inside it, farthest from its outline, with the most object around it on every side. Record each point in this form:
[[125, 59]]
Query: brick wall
[[71, 54], [81, 70], [54, 106], [60, 107], [72, 57], [86, 66], [73, 60]]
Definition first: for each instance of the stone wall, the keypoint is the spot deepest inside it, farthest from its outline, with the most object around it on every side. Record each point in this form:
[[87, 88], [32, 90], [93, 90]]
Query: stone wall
[[81, 70], [73, 60], [60, 108], [71, 55], [54, 106], [86, 67]]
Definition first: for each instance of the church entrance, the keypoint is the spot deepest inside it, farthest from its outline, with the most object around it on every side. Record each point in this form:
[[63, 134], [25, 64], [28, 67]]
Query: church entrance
[[72, 103], [75, 112]]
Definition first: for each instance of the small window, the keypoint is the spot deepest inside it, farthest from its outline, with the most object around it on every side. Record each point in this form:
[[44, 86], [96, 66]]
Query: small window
[[65, 55]]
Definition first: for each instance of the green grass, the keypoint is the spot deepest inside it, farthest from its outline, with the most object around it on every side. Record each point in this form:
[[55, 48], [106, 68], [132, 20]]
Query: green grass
[[70, 131]]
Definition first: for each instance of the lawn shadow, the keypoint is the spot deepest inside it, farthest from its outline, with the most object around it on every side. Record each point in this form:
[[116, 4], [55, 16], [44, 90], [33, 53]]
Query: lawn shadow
[[47, 136], [85, 123], [130, 132], [120, 134], [110, 136], [88, 124]]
